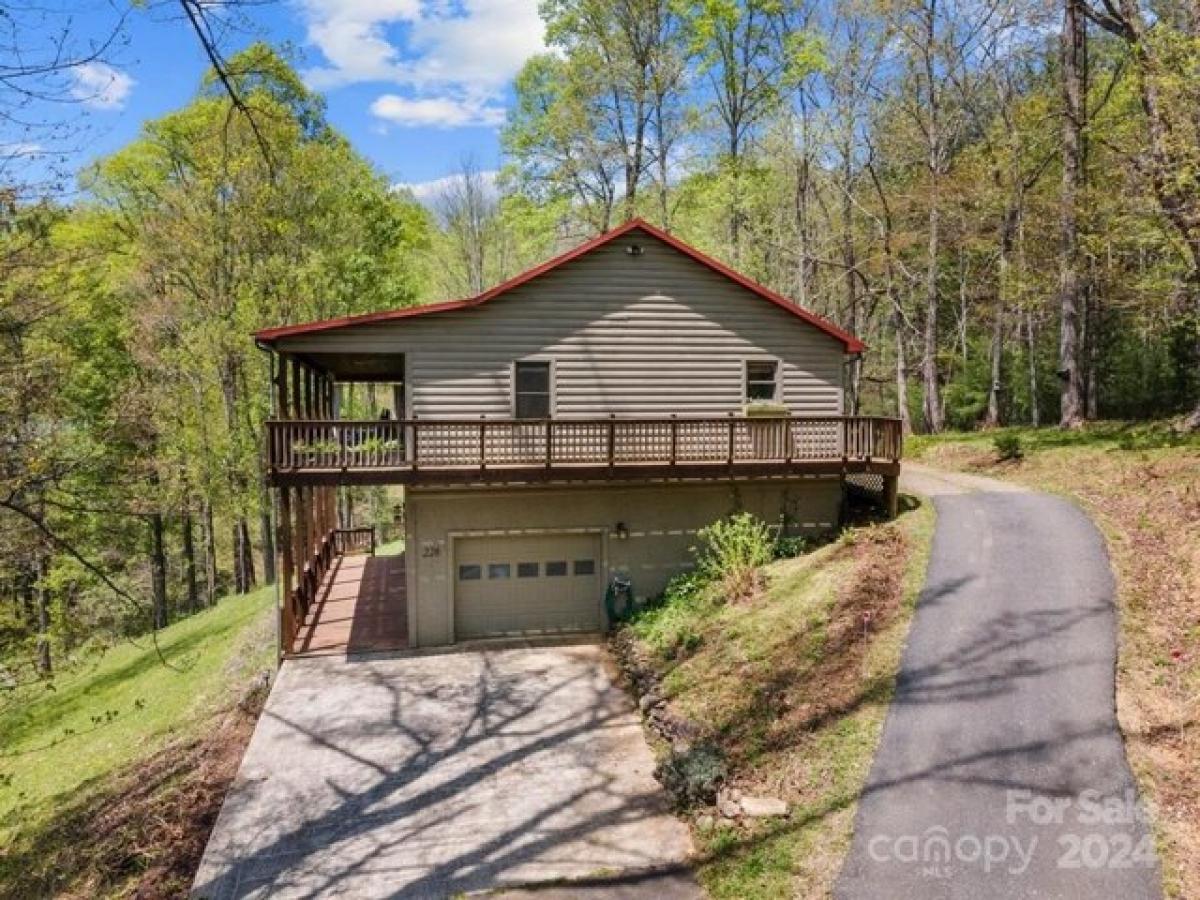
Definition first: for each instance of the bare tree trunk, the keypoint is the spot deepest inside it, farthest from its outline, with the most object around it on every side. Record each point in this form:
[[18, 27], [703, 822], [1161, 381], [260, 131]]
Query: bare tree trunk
[[243, 552], [158, 570], [929, 368], [932, 407], [992, 419], [268, 540], [44, 664], [901, 374], [191, 586], [1031, 351], [210, 555], [239, 574], [1073, 39], [850, 266], [28, 596], [634, 160], [897, 314], [1091, 351], [663, 161], [1008, 236]]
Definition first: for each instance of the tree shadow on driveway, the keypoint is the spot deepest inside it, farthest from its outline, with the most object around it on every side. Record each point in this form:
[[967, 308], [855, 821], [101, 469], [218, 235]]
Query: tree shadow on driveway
[[432, 776]]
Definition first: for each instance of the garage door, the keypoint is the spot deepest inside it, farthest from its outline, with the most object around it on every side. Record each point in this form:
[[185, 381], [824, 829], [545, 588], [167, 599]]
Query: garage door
[[549, 584]]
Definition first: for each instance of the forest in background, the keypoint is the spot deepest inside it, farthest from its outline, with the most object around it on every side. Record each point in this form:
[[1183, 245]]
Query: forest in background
[[1002, 199]]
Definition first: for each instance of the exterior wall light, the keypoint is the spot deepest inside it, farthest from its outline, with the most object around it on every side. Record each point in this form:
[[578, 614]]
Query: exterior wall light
[[621, 531], [634, 250]]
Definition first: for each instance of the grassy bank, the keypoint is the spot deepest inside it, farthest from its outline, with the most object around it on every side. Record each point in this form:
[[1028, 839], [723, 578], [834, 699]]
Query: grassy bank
[[1141, 485], [786, 693], [107, 775]]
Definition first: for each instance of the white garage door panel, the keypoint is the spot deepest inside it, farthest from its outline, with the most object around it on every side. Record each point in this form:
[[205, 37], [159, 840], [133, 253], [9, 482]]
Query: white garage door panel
[[513, 586]]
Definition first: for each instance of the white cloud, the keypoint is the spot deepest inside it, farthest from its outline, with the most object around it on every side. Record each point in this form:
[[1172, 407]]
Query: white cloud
[[438, 112], [100, 86], [452, 60], [427, 192]]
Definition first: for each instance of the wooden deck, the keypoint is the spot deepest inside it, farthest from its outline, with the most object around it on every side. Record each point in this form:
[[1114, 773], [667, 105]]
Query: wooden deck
[[360, 607], [306, 452]]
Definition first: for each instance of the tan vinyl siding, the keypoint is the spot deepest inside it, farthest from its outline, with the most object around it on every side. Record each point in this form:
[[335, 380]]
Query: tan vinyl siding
[[661, 523], [631, 335]]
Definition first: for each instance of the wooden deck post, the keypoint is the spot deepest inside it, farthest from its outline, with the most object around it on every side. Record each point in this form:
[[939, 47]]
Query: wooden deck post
[[303, 544], [287, 574], [611, 442], [891, 495], [730, 448], [296, 406]]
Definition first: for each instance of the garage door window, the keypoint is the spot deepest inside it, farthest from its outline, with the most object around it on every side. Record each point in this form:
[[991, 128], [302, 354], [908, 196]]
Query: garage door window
[[470, 573], [556, 568], [499, 570], [527, 570], [585, 567]]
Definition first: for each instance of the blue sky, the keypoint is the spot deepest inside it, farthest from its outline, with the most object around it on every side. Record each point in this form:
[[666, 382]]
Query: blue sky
[[416, 85]]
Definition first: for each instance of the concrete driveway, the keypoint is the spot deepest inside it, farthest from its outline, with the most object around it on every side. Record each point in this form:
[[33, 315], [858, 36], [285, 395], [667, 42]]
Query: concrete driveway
[[430, 776], [1001, 772]]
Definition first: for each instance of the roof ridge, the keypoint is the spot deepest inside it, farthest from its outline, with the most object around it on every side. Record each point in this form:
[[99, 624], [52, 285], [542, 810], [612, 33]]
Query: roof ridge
[[852, 343]]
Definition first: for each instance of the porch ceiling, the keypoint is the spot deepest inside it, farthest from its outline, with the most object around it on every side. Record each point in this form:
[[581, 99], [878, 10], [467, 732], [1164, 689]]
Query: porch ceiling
[[387, 367]]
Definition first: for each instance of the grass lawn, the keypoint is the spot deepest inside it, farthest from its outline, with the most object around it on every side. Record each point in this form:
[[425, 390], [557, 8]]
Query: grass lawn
[[1141, 485], [67, 752], [792, 691], [391, 548]]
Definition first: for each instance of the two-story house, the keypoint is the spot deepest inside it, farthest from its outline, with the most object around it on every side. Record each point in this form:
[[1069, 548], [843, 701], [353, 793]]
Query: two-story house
[[577, 423]]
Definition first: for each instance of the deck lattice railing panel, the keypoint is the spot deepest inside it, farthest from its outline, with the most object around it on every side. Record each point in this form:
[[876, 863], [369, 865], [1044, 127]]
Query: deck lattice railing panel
[[334, 445]]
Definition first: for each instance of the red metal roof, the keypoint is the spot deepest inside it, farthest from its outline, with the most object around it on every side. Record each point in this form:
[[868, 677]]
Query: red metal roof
[[852, 344]]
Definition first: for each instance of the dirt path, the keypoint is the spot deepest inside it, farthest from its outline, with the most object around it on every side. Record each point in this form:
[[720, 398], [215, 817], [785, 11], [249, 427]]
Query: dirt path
[[1001, 772]]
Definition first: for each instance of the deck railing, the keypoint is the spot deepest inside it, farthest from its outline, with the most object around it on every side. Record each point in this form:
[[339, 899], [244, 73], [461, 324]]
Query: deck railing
[[354, 540], [480, 444]]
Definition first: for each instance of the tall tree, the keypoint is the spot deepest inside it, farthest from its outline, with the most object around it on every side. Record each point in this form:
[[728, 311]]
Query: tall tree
[[751, 58], [468, 212], [1073, 40], [556, 143], [1164, 43]]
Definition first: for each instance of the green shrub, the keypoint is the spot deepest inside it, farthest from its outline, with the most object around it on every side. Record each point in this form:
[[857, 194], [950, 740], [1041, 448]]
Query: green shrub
[[693, 776], [729, 559], [789, 546], [671, 623], [732, 551], [1008, 446]]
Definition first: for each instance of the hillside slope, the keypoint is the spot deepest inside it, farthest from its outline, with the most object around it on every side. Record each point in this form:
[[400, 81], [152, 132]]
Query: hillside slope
[[781, 696], [111, 775]]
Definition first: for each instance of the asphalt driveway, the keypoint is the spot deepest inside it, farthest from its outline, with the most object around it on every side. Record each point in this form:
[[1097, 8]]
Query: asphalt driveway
[[1001, 772], [430, 776]]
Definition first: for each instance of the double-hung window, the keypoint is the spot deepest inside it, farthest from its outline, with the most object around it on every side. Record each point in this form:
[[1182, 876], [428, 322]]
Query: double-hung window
[[762, 380], [531, 394]]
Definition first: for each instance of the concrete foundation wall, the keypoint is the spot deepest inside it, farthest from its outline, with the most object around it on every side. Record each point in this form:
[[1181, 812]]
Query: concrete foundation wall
[[661, 521]]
